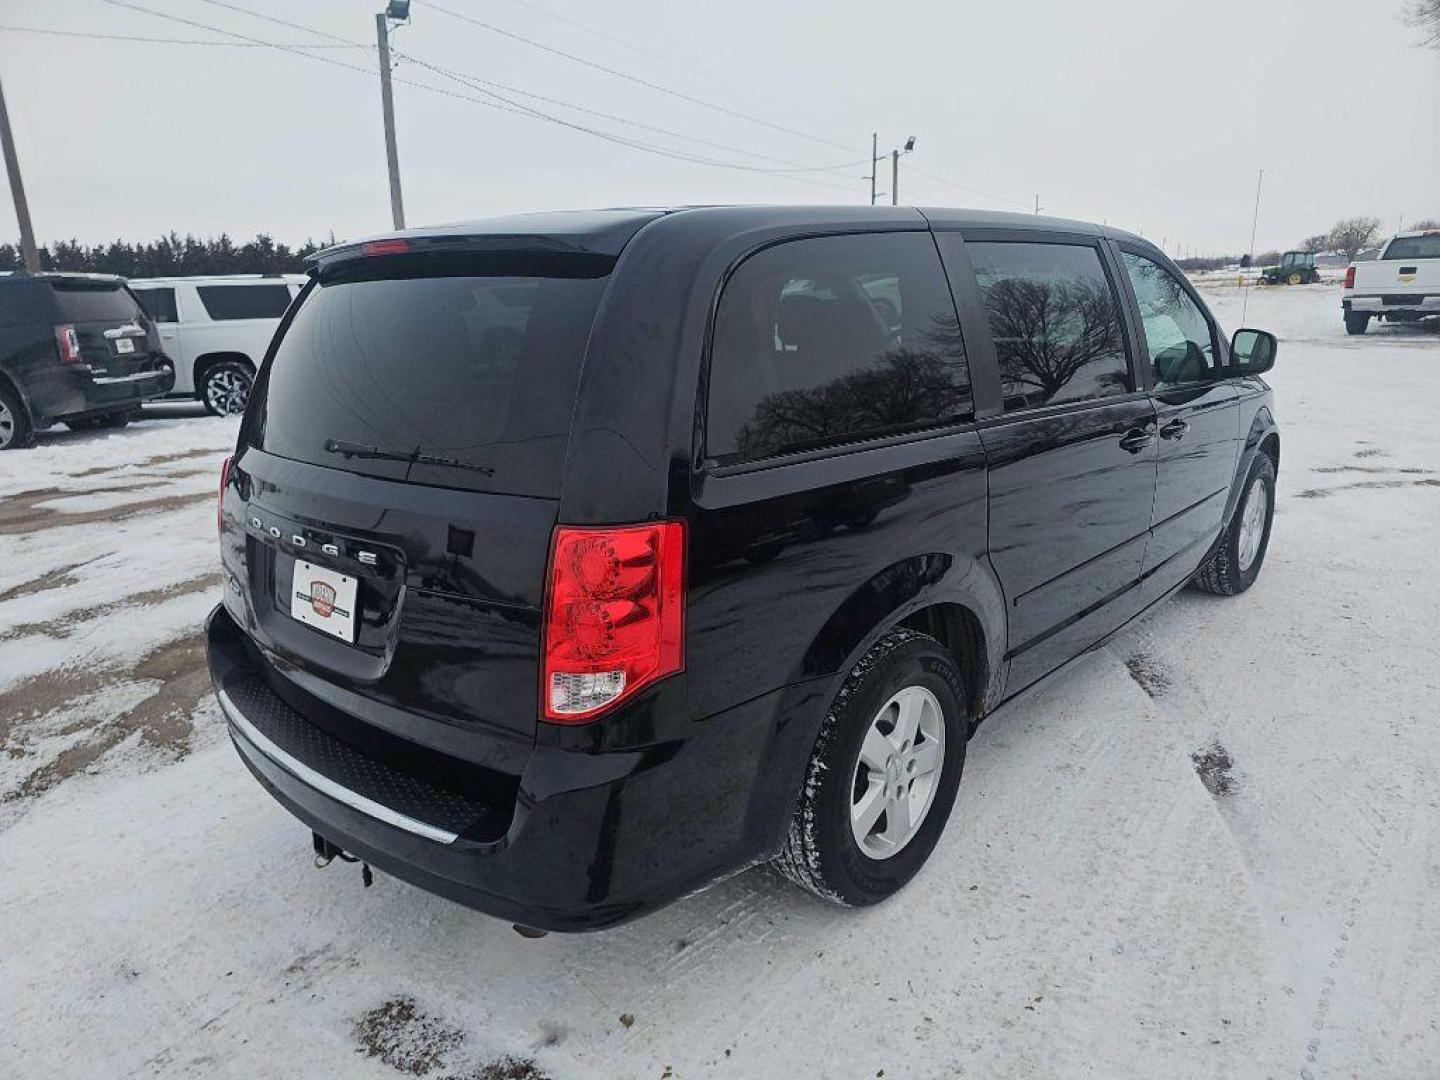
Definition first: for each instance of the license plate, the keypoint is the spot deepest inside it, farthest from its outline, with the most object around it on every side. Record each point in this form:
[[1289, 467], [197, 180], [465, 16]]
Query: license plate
[[124, 345], [324, 599]]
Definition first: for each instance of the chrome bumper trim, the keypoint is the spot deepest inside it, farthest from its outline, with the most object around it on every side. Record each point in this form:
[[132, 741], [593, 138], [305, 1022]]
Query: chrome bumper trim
[[324, 784]]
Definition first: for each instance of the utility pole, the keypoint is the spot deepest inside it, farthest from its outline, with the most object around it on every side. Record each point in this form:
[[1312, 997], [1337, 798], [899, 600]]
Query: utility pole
[[874, 159], [387, 101], [894, 177], [1038, 207], [17, 190]]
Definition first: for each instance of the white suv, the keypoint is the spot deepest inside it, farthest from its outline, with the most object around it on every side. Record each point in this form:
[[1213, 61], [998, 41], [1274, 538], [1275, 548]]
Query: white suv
[[216, 330]]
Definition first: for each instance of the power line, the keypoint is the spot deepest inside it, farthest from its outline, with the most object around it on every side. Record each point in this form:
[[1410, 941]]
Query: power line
[[148, 40], [477, 83], [596, 65], [965, 188], [286, 23], [507, 106], [480, 84], [669, 61]]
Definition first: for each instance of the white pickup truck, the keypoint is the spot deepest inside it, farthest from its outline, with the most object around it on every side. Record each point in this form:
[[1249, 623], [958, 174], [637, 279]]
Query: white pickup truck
[[1402, 285]]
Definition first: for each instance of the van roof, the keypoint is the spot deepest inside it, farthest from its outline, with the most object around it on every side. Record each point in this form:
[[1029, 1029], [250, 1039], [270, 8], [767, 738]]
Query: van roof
[[607, 231]]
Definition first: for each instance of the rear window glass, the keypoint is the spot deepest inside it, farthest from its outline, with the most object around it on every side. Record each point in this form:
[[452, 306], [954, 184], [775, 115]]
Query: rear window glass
[[244, 301], [1413, 247], [159, 304], [95, 303], [474, 377]]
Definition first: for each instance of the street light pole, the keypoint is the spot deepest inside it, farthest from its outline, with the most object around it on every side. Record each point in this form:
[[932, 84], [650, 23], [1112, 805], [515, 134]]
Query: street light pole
[[874, 158], [387, 102], [894, 177], [17, 191]]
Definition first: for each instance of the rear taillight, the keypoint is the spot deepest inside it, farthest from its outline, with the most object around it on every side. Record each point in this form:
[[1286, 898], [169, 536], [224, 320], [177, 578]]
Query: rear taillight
[[220, 499], [614, 613], [385, 247], [1350, 278], [68, 344]]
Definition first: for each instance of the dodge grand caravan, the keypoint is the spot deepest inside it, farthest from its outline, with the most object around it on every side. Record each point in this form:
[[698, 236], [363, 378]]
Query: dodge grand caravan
[[573, 561]]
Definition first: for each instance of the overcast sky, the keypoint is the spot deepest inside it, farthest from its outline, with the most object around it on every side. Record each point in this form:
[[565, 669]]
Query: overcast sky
[[1155, 115]]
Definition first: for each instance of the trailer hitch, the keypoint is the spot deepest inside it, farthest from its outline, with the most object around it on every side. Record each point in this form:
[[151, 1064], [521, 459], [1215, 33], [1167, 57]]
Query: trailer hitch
[[326, 853]]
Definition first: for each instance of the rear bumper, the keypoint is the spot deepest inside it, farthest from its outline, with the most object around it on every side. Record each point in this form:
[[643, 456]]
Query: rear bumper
[[78, 393], [582, 840], [1393, 303]]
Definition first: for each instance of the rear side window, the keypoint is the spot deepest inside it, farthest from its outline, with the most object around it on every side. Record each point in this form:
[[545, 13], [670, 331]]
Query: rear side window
[[90, 302], [1413, 247], [829, 340], [1055, 321], [159, 304], [244, 301], [472, 376]]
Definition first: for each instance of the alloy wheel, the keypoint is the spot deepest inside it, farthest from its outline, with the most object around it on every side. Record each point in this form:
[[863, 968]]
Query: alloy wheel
[[1252, 524], [898, 772], [227, 392], [7, 425]]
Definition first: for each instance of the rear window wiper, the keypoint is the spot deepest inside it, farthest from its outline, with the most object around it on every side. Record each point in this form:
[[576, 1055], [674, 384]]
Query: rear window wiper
[[415, 457]]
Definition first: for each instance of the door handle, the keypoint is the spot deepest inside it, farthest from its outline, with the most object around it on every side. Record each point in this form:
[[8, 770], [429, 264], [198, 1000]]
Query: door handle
[[1175, 429], [1136, 439]]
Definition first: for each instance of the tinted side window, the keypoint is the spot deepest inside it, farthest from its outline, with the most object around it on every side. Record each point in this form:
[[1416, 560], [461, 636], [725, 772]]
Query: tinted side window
[[159, 304], [1055, 322], [1177, 334], [245, 301], [838, 338]]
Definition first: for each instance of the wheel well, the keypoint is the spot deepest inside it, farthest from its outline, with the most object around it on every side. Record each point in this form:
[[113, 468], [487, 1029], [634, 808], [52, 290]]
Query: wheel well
[[208, 360], [1270, 446], [960, 631], [9, 384]]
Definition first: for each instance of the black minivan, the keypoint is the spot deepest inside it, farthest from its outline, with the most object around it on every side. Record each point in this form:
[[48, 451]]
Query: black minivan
[[575, 560], [77, 348]]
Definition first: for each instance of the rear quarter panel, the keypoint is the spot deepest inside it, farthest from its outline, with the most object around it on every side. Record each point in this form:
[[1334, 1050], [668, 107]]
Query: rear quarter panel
[[794, 570]]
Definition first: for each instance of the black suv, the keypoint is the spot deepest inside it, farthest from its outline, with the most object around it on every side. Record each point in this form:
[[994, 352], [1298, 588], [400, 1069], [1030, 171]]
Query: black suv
[[573, 561], [77, 348]]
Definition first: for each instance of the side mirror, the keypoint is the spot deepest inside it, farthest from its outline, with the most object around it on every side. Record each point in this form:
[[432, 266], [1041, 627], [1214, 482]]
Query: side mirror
[[1252, 352]]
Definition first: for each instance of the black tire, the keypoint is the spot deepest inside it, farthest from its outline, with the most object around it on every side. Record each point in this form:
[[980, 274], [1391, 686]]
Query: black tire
[[224, 387], [1357, 322], [821, 854], [16, 430], [1226, 573]]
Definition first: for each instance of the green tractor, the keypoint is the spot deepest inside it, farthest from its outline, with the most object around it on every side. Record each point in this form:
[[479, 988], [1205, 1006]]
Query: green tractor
[[1296, 268]]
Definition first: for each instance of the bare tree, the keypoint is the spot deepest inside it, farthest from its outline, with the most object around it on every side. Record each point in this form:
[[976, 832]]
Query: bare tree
[[1426, 223], [1353, 235], [1316, 244], [1424, 15]]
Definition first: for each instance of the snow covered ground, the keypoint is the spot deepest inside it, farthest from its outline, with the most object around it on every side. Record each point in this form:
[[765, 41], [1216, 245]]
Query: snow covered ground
[[1211, 849]]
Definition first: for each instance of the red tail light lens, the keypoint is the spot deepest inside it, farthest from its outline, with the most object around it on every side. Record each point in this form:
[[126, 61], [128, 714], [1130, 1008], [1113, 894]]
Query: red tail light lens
[[220, 499], [614, 614], [68, 344], [385, 247], [1350, 278]]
